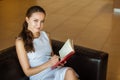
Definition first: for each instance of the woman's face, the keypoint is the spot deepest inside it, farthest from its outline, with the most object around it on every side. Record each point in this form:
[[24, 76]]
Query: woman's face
[[35, 22]]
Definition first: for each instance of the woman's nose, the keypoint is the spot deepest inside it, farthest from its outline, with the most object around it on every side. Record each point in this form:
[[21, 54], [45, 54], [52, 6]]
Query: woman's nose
[[39, 25]]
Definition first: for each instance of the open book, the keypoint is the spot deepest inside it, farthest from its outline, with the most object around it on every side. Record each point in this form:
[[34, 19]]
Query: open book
[[65, 52]]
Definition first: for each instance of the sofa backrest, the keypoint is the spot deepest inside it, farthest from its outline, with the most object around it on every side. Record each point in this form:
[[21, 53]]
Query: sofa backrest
[[9, 65]]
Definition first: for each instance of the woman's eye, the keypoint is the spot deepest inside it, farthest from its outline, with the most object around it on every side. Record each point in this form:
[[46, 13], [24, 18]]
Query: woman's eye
[[42, 21], [36, 20]]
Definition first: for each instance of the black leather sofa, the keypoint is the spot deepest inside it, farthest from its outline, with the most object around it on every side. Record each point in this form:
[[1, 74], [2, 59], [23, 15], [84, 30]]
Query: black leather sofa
[[88, 63]]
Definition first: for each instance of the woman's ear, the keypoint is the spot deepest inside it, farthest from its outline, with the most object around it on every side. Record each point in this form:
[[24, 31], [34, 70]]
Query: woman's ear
[[27, 20]]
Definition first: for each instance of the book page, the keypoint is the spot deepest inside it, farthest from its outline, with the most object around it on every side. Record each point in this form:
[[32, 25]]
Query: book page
[[66, 49]]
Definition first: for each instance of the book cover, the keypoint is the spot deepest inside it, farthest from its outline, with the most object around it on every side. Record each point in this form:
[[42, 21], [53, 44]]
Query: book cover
[[65, 52]]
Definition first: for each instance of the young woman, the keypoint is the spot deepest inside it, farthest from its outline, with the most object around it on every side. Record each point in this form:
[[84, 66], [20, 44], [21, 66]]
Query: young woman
[[34, 50]]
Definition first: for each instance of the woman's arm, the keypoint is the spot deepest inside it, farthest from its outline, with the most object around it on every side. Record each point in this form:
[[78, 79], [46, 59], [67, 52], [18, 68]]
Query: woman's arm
[[23, 59]]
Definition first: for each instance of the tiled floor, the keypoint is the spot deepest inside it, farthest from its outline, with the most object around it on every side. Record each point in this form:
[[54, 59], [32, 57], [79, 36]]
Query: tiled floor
[[90, 23]]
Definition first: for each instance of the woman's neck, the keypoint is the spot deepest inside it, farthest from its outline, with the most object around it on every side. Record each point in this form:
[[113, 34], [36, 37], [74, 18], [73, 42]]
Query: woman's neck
[[36, 35]]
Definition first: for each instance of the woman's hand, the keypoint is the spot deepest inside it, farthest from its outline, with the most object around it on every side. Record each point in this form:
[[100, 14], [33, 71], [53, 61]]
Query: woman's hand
[[62, 64], [53, 60]]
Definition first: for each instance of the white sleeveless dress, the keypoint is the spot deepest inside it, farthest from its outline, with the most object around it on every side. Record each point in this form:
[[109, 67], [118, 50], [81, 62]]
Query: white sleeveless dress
[[41, 55]]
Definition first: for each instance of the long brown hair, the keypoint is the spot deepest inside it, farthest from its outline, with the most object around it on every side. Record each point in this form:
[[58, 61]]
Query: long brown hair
[[26, 34]]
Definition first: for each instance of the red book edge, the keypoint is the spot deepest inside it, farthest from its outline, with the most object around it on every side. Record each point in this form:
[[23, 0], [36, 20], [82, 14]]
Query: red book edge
[[63, 60]]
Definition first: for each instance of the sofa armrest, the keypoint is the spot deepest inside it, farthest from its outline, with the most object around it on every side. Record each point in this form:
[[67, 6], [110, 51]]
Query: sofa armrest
[[89, 64]]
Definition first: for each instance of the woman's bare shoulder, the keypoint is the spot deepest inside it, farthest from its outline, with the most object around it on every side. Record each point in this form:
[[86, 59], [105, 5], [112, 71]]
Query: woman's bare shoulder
[[19, 40]]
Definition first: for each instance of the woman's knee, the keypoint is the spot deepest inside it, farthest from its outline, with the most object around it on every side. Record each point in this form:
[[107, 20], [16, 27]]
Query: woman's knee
[[70, 71], [70, 74]]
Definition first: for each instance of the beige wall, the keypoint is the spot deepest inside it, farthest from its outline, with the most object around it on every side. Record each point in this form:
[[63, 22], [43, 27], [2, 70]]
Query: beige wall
[[116, 3]]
